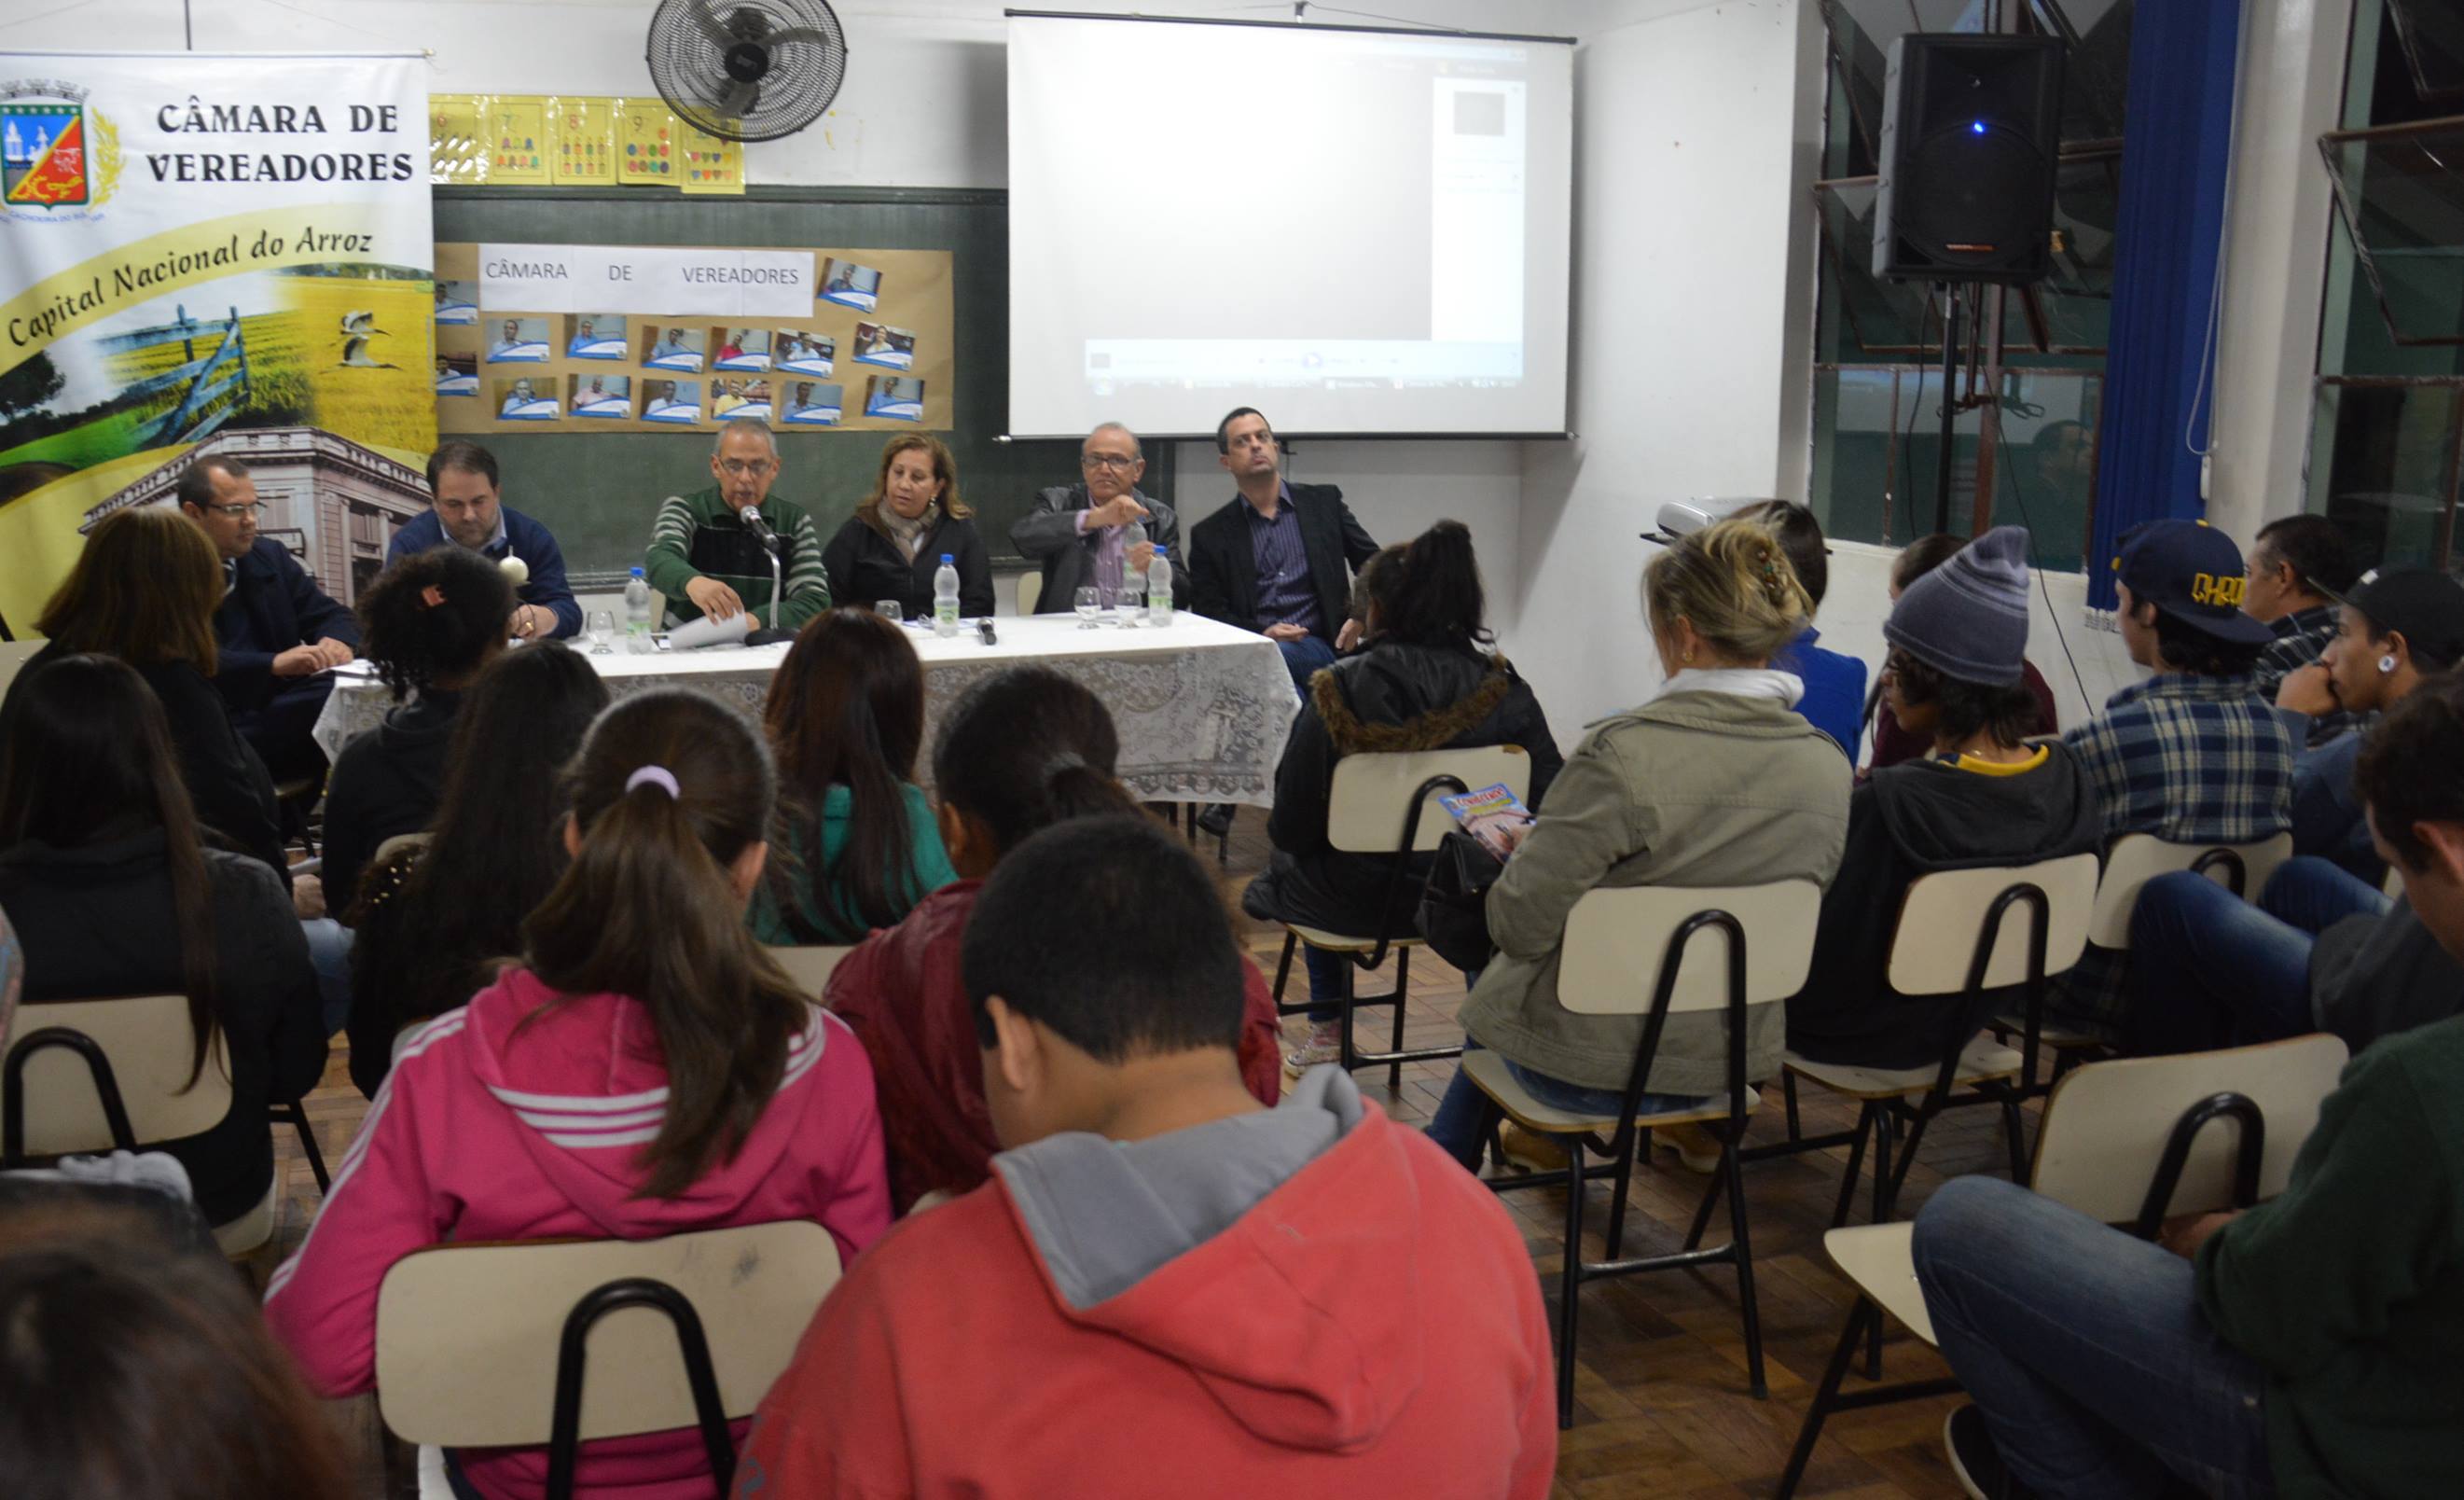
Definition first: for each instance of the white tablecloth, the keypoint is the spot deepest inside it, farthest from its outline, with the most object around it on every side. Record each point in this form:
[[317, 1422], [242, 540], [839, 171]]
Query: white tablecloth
[[1202, 707]]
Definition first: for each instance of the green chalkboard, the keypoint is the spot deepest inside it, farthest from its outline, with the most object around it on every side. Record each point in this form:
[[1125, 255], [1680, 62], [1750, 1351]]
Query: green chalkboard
[[596, 492]]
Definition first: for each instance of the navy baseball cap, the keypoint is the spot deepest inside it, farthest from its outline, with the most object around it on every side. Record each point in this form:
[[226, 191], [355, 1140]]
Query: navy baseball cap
[[2194, 573], [2423, 605]]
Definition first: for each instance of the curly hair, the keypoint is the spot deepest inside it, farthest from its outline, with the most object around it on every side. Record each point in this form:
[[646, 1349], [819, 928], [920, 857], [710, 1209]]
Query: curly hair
[[435, 616], [1732, 580]]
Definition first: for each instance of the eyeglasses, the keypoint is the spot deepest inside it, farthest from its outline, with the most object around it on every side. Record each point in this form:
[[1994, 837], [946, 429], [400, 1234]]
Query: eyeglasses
[[238, 511], [744, 468], [1112, 461]]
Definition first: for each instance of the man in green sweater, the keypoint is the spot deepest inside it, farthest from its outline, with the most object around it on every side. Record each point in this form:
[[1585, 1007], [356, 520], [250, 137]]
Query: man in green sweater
[[709, 557], [2311, 1346]]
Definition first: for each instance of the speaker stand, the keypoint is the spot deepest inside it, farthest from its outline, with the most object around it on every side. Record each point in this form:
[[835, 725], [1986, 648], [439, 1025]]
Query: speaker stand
[[1950, 405]]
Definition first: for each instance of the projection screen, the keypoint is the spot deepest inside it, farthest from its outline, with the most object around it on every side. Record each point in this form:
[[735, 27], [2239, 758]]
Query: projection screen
[[1359, 230]]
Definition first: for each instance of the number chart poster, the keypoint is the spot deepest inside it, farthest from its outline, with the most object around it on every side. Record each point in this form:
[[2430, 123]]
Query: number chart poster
[[642, 338], [209, 250]]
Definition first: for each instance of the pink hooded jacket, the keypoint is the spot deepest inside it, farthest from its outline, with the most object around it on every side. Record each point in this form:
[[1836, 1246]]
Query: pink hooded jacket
[[484, 1133]]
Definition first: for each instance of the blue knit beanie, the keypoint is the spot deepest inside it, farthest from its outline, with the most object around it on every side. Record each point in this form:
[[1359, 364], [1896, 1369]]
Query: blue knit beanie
[[1968, 618]]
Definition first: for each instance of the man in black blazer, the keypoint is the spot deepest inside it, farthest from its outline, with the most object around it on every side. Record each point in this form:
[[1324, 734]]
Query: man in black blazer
[[1276, 561], [1080, 532], [278, 635]]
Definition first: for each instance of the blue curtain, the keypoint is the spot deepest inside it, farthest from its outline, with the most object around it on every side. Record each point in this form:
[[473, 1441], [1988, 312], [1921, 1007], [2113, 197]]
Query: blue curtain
[[2176, 142]]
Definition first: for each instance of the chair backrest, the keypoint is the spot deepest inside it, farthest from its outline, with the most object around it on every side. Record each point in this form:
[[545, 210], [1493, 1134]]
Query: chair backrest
[[1030, 590], [397, 844], [1365, 808], [148, 1041], [2136, 858], [13, 656], [466, 1334], [811, 968], [2393, 884], [1943, 915], [1617, 939], [2106, 1124]]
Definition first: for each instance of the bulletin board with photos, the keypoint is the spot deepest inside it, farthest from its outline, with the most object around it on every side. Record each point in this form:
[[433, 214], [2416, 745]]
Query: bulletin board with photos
[[871, 348]]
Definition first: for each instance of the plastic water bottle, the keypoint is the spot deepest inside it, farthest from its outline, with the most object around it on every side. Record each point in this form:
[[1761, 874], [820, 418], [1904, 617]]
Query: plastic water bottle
[[945, 598], [1159, 590], [637, 614]]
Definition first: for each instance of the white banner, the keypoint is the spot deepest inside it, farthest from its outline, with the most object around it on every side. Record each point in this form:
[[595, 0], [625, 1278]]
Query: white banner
[[641, 278], [210, 249]]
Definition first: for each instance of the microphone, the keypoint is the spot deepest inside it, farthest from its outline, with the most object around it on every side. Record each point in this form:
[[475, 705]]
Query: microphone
[[751, 515]]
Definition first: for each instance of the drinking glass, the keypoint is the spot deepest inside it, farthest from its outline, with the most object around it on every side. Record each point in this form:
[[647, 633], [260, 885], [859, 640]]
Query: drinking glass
[[887, 610], [1090, 602], [602, 630]]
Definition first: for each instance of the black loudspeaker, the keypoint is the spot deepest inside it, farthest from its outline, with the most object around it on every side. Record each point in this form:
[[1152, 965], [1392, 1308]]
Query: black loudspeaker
[[1971, 136]]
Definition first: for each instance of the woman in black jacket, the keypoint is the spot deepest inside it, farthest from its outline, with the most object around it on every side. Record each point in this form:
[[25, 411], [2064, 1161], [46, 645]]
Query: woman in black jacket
[[1424, 678], [433, 919], [893, 543], [145, 590], [428, 622], [112, 894]]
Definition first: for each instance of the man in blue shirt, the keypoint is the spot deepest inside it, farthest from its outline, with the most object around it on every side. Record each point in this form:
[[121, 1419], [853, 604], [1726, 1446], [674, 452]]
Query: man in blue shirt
[[277, 635], [462, 476], [1835, 682]]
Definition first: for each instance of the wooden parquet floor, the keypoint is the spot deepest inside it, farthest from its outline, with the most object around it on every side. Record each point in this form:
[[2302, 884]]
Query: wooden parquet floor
[[1662, 1410]]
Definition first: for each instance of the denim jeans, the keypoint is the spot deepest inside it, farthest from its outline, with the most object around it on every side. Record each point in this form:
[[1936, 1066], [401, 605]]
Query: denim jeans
[[2209, 969], [1305, 657], [329, 952], [2086, 1350], [1465, 1115], [1326, 980]]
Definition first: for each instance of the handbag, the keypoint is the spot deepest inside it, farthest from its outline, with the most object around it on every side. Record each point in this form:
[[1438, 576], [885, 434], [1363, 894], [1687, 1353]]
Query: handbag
[[1454, 903]]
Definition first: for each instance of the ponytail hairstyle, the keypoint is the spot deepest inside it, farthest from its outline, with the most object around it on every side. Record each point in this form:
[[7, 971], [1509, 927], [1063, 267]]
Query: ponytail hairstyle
[[847, 710], [669, 788], [1436, 598], [1027, 748], [1733, 582], [88, 748], [435, 616]]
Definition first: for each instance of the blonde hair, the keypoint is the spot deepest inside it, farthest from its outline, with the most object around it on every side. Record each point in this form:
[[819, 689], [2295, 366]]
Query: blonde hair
[[1732, 582]]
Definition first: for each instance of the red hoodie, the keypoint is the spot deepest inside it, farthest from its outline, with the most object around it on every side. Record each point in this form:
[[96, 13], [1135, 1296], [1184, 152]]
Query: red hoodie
[[1370, 1326], [488, 1130], [902, 993]]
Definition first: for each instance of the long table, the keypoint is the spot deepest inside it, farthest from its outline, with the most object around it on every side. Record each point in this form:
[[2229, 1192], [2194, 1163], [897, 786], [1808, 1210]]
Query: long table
[[1202, 707]]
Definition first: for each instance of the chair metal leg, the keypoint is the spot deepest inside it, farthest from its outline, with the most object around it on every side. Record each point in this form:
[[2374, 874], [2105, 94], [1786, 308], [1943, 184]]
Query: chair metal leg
[[1345, 1050], [1402, 991], [1787, 1085], [2014, 1128], [1825, 1393], [1712, 1191], [1855, 1160], [297, 1113], [1743, 1244], [1886, 1128], [1616, 1196], [1283, 970], [1570, 1278]]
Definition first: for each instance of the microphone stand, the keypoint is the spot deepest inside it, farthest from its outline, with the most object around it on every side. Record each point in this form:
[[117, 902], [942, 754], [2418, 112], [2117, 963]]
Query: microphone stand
[[771, 543]]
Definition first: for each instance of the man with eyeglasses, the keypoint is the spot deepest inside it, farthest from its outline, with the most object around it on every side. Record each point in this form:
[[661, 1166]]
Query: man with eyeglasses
[[708, 561], [1101, 531], [278, 636], [462, 483]]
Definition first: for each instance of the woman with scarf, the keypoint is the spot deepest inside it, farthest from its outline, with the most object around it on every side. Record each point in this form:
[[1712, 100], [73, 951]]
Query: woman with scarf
[[893, 543]]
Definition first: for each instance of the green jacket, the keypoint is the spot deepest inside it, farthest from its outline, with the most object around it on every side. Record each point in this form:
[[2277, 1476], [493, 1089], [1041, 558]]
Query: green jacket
[[786, 910], [698, 536], [1690, 790], [2349, 1288]]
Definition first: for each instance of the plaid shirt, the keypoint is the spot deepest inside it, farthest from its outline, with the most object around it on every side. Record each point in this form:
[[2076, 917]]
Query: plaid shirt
[[2301, 638], [2191, 760]]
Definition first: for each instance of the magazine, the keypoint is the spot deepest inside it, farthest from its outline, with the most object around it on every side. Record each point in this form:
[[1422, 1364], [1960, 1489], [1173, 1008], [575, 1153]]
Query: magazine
[[1492, 815]]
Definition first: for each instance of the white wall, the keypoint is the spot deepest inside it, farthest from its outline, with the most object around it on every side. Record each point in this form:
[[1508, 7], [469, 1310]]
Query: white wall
[[2277, 223], [1692, 125]]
